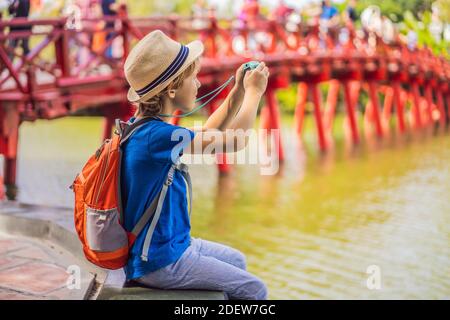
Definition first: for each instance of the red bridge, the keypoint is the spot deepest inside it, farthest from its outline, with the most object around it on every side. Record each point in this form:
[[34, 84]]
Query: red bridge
[[51, 81]]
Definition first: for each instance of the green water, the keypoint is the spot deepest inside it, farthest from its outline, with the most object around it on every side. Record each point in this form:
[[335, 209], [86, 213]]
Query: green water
[[312, 230]]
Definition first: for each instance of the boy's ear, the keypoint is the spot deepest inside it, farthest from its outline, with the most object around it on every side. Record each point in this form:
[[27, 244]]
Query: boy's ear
[[172, 93]]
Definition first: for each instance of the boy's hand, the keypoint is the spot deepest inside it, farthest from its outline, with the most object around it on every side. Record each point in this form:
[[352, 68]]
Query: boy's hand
[[256, 80]]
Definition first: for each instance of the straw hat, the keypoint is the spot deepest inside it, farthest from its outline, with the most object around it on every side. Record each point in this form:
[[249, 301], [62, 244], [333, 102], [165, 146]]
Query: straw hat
[[155, 61]]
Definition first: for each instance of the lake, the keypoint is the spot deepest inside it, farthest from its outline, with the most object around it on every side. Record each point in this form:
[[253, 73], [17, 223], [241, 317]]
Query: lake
[[311, 231]]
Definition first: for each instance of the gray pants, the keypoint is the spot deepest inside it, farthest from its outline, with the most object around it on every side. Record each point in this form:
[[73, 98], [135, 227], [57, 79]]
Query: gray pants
[[207, 265]]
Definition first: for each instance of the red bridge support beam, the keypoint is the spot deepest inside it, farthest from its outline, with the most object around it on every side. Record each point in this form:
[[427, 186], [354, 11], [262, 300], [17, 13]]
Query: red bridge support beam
[[108, 124], [375, 108], [330, 111], [355, 87], [122, 111], [270, 119], [125, 31], [416, 105], [447, 95], [317, 101], [387, 105], [276, 122], [9, 135], [351, 112], [400, 106], [221, 158], [62, 52], [441, 107], [429, 99], [302, 96]]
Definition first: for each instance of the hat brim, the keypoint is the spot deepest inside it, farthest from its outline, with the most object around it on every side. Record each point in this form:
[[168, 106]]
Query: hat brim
[[195, 51]]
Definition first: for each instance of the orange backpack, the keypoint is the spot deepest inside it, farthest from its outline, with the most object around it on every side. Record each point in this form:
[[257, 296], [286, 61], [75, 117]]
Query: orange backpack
[[98, 208]]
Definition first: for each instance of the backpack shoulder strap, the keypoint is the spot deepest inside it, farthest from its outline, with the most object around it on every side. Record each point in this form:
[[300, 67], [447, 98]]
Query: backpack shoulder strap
[[184, 169], [126, 132]]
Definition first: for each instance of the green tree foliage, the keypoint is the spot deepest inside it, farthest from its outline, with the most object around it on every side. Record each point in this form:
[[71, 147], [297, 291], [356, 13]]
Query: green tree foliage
[[424, 35], [395, 9], [444, 10]]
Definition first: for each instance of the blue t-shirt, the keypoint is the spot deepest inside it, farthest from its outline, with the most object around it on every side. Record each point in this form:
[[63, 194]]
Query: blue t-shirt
[[147, 157]]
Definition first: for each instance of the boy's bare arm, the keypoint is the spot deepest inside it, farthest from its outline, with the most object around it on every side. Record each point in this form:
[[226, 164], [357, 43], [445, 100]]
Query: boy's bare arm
[[224, 115], [221, 118], [256, 82]]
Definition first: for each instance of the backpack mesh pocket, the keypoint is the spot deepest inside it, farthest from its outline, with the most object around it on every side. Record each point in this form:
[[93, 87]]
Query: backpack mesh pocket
[[103, 230]]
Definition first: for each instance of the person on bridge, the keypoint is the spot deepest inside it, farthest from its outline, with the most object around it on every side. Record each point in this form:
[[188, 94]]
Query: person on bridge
[[282, 12], [200, 18], [162, 75], [350, 14], [250, 12], [248, 17], [19, 9], [329, 15], [110, 9]]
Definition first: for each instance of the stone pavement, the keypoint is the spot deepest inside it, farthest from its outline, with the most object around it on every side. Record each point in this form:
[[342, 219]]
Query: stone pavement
[[37, 246], [37, 270]]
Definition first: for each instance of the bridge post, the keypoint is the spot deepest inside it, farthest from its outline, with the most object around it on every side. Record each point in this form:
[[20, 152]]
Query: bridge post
[[315, 93], [302, 96], [173, 21], [447, 95], [375, 108], [62, 51], [123, 14], [429, 98], [350, 106], [271, 120], [3, 148], [416, 105], [9, 133], [330, 110], [387, 105], [221, 158], [108, 124], [399, 103], [122, 110], [440, 104], [245, 34], [355, 87], [212, 32], [448, 106]]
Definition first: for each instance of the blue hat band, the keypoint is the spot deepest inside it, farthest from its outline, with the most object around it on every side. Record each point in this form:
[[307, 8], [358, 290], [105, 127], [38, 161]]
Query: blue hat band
[[170, 71]]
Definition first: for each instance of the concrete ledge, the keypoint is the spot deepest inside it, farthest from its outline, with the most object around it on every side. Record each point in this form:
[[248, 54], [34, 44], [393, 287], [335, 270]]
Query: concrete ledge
[[114, 288], [154, 294]]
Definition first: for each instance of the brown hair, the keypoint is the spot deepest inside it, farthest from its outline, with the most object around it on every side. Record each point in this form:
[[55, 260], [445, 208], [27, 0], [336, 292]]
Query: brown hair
[[154, 105]]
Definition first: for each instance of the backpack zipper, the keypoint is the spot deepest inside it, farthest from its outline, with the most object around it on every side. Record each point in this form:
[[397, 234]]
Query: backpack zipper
[[102, 180]]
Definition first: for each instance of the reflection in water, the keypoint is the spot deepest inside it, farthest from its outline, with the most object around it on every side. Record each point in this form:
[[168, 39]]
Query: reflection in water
[[312, 230], [224, 200]]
